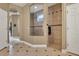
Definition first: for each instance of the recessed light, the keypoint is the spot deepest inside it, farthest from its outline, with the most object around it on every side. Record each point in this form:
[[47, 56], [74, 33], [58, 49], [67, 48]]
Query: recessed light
[[35, 7]]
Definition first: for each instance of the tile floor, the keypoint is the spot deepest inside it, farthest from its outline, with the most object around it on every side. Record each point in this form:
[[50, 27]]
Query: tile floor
[[4, 52], [21, 49], [18, 48]]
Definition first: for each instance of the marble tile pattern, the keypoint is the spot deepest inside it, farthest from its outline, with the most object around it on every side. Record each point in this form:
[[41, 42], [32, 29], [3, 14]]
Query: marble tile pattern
[[24, 50]]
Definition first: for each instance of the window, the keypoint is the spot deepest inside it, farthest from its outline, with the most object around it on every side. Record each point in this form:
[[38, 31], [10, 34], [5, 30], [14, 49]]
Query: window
[[40, 18]]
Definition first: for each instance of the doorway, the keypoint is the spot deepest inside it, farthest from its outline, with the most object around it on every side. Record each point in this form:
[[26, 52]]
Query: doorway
[[14, 25], [72, 27]]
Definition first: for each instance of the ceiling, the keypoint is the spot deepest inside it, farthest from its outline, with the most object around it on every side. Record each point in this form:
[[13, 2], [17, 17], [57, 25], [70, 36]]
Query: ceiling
[[23, 4], [38, 6], [20, 4]]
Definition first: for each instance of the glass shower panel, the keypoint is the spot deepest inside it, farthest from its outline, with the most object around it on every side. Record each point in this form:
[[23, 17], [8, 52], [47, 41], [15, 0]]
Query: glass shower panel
[[36, 20]]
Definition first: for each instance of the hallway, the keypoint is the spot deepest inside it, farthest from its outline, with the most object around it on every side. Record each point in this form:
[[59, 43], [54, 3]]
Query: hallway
[[39, 29]]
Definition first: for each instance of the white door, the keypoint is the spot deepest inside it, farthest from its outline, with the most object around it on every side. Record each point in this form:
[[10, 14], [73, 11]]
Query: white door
[[3, 29], [73, 27]]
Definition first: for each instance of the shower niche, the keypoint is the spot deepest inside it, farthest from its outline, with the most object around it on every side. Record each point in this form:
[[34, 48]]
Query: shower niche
[[36, 20]]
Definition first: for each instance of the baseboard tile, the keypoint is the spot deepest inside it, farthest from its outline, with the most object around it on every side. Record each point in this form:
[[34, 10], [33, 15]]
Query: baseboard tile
[[32, 45]]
